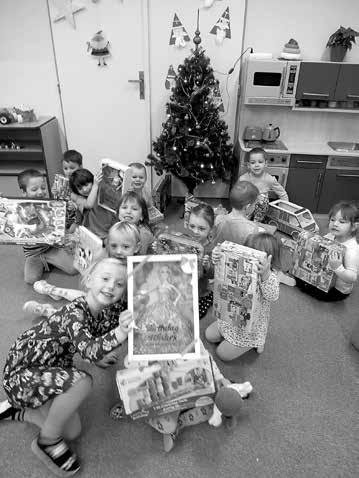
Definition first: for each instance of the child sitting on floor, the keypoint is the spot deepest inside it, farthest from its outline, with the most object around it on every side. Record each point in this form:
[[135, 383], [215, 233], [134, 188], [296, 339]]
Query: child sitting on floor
[[43, 385], [39, 257], [343, 226], [234, 339], [258, 175]]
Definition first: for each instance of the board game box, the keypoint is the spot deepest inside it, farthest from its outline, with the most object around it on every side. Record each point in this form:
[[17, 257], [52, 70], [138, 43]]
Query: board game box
[[166, 386], [32, 221], [88, 249], [235, 295], [177, 243], [110, 189], [60, 187], [311, 257]]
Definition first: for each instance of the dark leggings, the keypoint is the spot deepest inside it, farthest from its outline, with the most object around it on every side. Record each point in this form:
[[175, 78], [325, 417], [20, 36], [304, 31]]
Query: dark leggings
[[204, 303], [333, 295]]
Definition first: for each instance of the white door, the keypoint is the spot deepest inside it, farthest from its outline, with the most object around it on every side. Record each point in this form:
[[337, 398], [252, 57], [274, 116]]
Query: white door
[[104, 115]]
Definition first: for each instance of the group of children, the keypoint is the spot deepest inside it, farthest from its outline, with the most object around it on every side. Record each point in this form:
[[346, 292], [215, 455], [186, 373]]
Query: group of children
[[41, 382]]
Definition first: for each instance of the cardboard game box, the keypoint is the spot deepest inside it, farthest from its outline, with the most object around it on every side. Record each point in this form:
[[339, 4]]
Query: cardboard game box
[[161, 193], [32, 221], [311, 260], [110, 189], [155, 216], [178, 243], [88, 249], [235, 295], [166, 386], [60, 187]]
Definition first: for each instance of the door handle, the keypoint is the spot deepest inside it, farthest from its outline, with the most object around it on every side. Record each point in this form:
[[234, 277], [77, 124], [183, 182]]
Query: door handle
[[319, 183], [347, 176], [322, 95], [353, 96], [309, 162], [141, 82]]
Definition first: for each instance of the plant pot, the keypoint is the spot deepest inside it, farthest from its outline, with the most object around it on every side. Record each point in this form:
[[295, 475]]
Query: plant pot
[[337, 53]]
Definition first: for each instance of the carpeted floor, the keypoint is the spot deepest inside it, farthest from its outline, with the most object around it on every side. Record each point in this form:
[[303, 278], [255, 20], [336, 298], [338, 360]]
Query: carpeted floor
[[300, 420]]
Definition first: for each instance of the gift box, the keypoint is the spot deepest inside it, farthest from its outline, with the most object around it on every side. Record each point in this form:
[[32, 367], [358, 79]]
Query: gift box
[[166, 386], [88, 249], [155, 216], [60, 187], [177, 243], [311, 258], [236, 292], [161, 193], [32, 221]]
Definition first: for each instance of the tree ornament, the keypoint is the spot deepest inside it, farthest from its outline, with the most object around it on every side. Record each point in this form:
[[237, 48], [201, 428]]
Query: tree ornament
[[174, 148]]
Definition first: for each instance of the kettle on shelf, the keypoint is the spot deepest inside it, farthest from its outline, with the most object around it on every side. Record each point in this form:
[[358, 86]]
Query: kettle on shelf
[[270, 133]]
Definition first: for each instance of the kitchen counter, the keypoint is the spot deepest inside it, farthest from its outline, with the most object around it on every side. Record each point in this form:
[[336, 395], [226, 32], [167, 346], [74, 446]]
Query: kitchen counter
[[306, 147]]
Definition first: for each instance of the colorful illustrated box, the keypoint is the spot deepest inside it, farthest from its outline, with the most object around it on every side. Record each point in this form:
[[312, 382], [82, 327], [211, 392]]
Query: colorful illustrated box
[[60, 187], [164, 387], [178, 243], [163, 297], [88, 249], [235, 295], [110, 189], [311, 260], [32, 221], [155, 216], [161, 193]]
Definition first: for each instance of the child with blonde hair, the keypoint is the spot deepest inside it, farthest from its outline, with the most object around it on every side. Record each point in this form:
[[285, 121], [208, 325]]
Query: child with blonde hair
[[343, 226], [43, 385], [234, 340], [135, 180]]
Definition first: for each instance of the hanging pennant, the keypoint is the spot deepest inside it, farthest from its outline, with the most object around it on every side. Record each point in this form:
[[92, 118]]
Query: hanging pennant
[[217, 98], [66, 10], [170, 78], [179, 35], [222, 29], [98, 47]]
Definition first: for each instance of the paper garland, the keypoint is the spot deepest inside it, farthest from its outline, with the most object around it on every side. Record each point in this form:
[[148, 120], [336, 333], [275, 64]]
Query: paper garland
[[179, 35], [170, 78], [222, 29]]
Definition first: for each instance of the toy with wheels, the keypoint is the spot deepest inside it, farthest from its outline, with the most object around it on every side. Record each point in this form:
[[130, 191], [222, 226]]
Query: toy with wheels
[[6, 117]]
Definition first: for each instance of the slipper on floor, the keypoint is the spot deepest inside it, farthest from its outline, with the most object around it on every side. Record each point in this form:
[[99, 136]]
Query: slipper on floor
[[57, 457], [44, 288]]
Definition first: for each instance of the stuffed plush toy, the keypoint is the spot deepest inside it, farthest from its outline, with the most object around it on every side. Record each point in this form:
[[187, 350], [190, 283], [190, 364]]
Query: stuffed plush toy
[[228, 403]]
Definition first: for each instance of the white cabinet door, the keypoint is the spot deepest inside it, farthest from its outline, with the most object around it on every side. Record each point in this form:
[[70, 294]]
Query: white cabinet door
[[104, 115]]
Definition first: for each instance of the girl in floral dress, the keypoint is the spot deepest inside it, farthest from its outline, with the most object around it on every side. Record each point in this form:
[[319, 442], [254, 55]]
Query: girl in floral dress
[[43, 385], [235, 340]]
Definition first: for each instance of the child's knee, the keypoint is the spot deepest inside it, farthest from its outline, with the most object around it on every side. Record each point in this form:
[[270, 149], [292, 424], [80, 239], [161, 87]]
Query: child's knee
[[212, 333]]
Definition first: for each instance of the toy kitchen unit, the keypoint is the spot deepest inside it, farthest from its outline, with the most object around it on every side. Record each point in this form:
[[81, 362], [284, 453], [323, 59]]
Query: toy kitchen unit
[[312, 145]]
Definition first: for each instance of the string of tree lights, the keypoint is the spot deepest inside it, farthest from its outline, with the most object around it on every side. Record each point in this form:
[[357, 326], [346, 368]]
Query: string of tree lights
[[194, 142]]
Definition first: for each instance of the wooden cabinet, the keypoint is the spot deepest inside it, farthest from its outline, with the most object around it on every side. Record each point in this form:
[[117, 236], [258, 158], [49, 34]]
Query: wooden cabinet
[[347, 88], [305, 177], [317, 81], [39, 148]]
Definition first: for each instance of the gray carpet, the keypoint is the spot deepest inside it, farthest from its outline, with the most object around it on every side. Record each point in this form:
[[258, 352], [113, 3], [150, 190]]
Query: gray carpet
[[300, 420]]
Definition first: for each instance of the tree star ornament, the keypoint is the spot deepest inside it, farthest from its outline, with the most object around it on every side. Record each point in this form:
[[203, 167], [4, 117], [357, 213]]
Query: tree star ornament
[[66, 10]]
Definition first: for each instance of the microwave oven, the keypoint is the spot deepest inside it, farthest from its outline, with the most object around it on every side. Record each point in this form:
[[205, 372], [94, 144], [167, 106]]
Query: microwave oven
[[271, 82]]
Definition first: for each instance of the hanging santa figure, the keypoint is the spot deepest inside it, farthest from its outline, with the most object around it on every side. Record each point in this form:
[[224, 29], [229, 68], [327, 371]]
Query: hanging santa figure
[[98, 47]]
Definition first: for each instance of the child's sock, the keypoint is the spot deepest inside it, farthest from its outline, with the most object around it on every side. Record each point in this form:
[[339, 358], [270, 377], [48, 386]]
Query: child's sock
[[8, 412], [34, 309], [43, 287]]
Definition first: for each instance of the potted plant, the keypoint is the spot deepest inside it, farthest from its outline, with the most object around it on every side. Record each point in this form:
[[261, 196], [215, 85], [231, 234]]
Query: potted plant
[[341, 41]]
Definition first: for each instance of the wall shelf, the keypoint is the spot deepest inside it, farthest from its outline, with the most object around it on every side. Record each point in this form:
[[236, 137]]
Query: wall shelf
[[326, 110]]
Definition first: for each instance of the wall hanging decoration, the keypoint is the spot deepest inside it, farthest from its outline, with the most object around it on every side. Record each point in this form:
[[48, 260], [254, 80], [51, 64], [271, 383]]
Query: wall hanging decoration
[[217, 98], [194, 143], [66, 10], [98, 47], [222, 29], [170, 78], [179, 35]]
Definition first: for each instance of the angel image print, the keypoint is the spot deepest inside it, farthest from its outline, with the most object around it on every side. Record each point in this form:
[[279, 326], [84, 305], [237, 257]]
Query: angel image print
[[98, 47]]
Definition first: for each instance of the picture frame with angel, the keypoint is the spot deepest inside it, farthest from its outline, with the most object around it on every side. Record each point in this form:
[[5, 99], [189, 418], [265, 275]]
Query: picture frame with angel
[[111, 186], [163, 297]]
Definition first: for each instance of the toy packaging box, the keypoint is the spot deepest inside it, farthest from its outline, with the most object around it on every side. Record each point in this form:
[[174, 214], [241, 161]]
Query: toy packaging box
[[178, 243], [111, 186], [155, 216], [32, 221], [60, 188], [311, 260], [161, 193], [88, 249], [235, 295], [166, 386]]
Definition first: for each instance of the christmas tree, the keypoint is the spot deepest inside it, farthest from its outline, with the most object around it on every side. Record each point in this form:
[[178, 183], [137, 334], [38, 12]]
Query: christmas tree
[[194, 143]]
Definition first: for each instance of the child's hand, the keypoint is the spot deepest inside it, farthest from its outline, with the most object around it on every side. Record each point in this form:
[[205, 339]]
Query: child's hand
[[335, 260], [97, 178], [216, 255], [125, 321], [264, 267]]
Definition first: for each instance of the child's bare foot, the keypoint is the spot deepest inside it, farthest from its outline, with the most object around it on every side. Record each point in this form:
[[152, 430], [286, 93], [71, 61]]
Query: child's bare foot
[[34, 309], [44, 288], [168, 441]]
